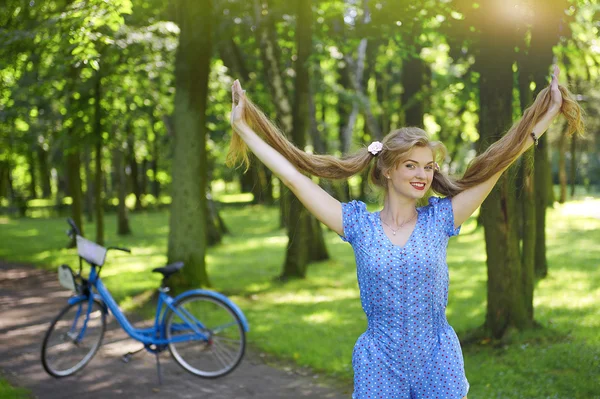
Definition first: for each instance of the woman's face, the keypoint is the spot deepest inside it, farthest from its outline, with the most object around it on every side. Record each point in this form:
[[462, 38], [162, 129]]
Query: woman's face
[[412, 177]]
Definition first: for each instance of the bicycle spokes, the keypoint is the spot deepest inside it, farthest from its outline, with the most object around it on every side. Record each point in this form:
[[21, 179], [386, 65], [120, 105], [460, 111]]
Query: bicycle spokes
[[205, 335], [73, 338]]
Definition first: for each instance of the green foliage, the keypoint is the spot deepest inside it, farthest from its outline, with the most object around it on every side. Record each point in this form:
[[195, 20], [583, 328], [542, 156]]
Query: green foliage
[[48, 84], [54, 52]]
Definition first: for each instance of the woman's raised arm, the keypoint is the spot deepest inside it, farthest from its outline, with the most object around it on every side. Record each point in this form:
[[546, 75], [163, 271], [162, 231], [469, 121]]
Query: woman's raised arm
[[325, 208], [467, 201]]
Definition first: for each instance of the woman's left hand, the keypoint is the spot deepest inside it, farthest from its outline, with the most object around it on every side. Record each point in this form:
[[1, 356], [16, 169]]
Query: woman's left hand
[[238, 104], [556, 99]]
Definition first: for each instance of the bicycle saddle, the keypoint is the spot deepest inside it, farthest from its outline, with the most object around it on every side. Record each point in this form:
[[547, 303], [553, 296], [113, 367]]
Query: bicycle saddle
[[169, 270]]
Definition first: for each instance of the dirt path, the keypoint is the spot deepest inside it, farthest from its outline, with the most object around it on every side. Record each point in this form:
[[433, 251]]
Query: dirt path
[[29, 300]]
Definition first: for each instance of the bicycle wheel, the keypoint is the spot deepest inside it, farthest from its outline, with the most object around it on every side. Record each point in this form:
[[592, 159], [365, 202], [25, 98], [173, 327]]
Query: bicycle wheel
[[72, 341], [219, 347]]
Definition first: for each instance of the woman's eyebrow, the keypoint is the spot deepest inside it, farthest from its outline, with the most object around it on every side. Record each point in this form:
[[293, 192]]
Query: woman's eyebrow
[[411, 160]]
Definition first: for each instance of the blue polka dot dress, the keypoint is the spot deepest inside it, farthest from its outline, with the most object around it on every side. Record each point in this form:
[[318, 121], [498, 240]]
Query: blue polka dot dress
[[409, 350]]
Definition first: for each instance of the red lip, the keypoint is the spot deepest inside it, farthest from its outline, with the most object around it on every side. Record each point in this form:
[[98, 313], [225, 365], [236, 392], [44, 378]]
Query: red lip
[[418, 188]]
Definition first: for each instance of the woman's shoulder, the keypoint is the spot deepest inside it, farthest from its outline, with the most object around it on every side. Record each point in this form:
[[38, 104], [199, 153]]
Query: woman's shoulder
[[357, 220], [434, 204], [439, 211], [356, 207]]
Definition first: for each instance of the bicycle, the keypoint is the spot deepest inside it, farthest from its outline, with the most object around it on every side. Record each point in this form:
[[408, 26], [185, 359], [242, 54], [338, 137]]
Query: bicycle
[[204, 331]]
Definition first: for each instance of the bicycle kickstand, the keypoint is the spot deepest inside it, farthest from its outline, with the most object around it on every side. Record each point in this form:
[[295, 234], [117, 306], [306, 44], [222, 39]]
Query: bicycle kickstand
[[157, 354]]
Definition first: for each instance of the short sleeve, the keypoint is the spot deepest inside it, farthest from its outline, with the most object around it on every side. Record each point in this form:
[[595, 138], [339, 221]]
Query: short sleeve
[[444, 216], [352, 215]]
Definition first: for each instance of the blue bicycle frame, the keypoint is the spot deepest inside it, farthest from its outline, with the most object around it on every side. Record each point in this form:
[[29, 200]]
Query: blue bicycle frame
[[155, 335]]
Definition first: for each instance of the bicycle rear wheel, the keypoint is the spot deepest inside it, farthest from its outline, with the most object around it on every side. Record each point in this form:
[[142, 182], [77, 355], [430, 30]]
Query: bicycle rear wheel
[[73, 338], [216, 343]]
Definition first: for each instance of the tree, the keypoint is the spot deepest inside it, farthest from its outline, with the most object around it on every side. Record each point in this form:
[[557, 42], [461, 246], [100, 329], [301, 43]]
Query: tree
[[544, 36], [304, 233], [187, 235], [506, 300]]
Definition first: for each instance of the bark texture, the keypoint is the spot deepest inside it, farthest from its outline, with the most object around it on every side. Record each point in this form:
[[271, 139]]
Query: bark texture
[[188, 219], [306, 241], [506, 307]]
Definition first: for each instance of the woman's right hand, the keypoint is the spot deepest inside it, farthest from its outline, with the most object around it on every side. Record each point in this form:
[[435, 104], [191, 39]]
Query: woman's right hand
[[238, 106]]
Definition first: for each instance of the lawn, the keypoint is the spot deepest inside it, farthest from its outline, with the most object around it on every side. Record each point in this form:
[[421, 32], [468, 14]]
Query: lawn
[[315, 322], [9, 392]]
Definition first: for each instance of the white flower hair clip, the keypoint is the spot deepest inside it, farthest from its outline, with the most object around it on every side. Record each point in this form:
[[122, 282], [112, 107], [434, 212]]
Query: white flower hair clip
[[375, 147]]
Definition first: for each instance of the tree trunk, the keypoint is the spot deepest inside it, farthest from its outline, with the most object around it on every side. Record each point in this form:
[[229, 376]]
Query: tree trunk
[[32, 174], [318, 142], [413, 75], [544, 35], [261, 187], [527, 200], [341, 188], [97, 134], [188, 220], [215, 226], [3, 179], [121, 186], [573, 164], [44, 172], [99, 200], [562, 165], [134, 170], [74, 185], [505, 299], [358, 80], [541, 202], [144, 177], [304, 238], [89, 185], [267, 36], [382, 88], [284, 206], [232, 58], [155, 182], [246, 180], [528, 246]]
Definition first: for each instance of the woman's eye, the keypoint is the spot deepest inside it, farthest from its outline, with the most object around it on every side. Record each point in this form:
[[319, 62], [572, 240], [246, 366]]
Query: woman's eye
[[410, 166], [429, 167]]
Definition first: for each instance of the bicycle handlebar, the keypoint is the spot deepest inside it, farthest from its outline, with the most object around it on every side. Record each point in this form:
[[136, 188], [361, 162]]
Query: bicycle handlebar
[[74, 227], [120, 249]]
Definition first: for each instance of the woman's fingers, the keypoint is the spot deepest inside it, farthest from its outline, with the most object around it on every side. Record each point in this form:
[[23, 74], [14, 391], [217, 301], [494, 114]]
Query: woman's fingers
[[236, 92], [555, 76]]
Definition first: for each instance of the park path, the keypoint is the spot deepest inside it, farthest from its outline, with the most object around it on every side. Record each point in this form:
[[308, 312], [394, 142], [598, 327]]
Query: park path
[[29, 300]]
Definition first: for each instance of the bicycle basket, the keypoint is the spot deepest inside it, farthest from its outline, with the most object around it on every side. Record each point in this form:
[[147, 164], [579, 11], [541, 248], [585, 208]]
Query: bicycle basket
[[66, 278], [90, 251]]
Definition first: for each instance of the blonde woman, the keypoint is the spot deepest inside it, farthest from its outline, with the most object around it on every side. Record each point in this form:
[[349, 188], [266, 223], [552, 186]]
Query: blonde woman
[[408, 350]]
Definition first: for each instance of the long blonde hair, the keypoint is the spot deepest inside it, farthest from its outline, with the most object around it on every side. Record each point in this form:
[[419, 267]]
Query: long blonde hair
[[398, 143]]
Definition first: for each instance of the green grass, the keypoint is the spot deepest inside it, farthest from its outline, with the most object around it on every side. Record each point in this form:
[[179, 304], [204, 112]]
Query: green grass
[[315, 322], [9, 392]]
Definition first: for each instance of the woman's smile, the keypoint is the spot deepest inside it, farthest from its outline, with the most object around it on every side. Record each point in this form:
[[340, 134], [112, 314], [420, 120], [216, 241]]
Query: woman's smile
[[418, 186]]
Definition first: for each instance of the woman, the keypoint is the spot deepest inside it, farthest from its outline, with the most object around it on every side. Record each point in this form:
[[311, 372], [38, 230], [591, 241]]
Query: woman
[[409, 350]]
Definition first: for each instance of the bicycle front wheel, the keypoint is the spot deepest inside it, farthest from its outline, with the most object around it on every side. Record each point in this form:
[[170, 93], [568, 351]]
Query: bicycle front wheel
[[206, 337], [73, 338]]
